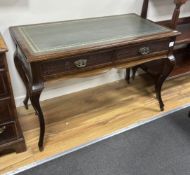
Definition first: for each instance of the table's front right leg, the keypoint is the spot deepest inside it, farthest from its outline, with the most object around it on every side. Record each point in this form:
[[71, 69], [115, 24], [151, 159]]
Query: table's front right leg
[[168, 66]]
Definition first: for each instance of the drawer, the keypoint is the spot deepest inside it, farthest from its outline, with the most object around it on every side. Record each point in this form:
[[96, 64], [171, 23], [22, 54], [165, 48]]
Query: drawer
[[2, 64], [144, 50], [6, 111], [77, 64], [7, 133], [3, 84]]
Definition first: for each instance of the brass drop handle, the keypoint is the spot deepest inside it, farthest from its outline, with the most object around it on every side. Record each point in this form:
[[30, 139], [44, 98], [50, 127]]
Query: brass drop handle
[[81, 63], [144, 50], [2, 129]]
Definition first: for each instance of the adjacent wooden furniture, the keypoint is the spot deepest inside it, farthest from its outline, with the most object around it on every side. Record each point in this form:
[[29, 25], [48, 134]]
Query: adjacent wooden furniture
[[11, 137], [84, 47], [181, 53]]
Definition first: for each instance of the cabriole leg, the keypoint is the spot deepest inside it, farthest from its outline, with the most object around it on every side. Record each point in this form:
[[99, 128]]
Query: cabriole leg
[[168, 66], [134, 71], [20, 69], [26, 100], [34, 87], [127, 77], [35, 100]]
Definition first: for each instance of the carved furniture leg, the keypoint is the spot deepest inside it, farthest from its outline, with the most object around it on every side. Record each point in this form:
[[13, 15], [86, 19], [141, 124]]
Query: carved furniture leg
[[23, 76], [127, 77], [34, 87], [128, 71], [134, 70], [168, 66], [26, 100], [35, 100]]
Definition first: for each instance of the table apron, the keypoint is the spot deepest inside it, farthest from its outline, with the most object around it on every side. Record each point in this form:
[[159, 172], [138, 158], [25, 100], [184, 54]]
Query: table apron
[[102, 59]]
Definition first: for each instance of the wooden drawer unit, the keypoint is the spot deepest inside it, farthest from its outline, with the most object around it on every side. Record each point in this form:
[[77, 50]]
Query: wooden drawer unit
[[2, 65], [4, 90], [6, 111], [77, 64], [8, 132], [11, 137], [147, 49]]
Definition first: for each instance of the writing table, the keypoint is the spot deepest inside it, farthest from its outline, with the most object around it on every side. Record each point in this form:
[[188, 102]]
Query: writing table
[[82, 47]]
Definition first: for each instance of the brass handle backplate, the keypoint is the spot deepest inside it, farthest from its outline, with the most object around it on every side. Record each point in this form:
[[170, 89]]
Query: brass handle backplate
[[81, 63], [2, 129], [144, 50]]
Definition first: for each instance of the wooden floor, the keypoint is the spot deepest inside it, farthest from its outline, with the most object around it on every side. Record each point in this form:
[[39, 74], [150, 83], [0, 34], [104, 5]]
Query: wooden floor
[[78, 118]]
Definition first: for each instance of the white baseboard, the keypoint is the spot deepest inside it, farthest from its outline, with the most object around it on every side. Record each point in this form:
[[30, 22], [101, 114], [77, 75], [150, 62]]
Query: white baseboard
[[19, 101]]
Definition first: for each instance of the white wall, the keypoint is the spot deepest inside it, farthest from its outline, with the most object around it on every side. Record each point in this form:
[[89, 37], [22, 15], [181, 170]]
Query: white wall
[[17, 12]]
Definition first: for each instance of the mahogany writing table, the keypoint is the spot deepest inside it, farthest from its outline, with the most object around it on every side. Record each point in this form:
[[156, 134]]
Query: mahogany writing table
[[74, 48]]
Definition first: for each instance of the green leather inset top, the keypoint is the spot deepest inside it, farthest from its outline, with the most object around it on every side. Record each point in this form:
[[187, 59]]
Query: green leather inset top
[[61, 36]]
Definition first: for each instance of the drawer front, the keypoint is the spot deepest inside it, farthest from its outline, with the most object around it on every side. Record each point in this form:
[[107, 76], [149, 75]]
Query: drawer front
[[3, 84], [76, 64], [2, 64], [7, 133], [141, 50], [6, 111]]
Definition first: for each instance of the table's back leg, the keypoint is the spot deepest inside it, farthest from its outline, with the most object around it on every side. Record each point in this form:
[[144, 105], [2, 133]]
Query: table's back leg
[[127, 76], [168, 66], [134, 71], [26, 100], [20, 69], [128, 73]]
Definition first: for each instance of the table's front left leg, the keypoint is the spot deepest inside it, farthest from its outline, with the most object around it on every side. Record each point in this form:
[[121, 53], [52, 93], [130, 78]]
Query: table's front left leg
[[35, 100], [34, 86], [37, 86], [168, 65]]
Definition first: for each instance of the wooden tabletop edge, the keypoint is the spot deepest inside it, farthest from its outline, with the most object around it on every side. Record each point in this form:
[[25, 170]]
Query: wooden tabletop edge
[[33, 57]]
